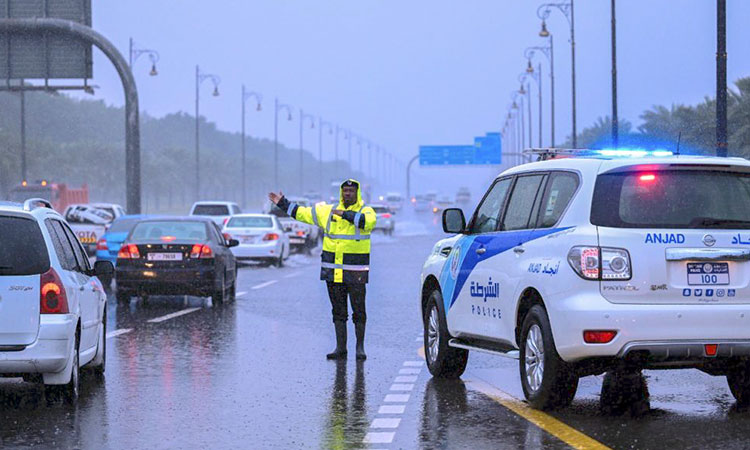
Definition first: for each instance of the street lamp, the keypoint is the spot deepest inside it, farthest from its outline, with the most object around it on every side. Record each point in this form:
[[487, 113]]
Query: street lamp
[[302, 118], [566, 8], [321, 125], [347, 136], [536, 74], [276, 108], [135, 52], [527, 92], [247, 95], [200, 78], [550, 54]]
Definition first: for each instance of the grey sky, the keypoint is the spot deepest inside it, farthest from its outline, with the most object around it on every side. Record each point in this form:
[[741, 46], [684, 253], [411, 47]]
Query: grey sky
[[405, 73]]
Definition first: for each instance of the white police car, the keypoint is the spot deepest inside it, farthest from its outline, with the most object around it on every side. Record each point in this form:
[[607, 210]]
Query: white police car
[[609, 260]]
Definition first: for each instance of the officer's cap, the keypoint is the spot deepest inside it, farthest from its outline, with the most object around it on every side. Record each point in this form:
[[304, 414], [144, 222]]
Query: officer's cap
[[350, 183]]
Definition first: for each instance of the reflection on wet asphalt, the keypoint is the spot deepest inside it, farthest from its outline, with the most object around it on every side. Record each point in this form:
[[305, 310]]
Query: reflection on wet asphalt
[[253, 374]]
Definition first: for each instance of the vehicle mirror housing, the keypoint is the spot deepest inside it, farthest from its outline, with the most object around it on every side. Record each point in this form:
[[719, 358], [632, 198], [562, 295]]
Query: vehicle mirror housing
[[454, 221], [103, 268], [233, 243]]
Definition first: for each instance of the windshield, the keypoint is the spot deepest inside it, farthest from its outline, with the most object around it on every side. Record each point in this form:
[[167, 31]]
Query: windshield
[[22, 247], [181, 230], [250, 222], [672, 199], [211, 210]]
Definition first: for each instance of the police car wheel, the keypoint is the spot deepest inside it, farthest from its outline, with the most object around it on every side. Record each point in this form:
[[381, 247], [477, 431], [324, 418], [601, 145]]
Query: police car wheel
[[442, 361], [738, 379], [546, 379]]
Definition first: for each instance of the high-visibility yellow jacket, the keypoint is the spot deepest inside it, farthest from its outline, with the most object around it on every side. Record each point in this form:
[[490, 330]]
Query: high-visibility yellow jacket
[[346, 240]]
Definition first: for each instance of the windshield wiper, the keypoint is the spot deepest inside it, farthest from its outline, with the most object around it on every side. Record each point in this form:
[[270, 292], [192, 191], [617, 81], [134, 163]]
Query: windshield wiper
[[719, 223]]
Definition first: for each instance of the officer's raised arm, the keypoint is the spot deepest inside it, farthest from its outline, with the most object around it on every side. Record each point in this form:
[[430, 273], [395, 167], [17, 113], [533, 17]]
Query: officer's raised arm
[[307, 214]]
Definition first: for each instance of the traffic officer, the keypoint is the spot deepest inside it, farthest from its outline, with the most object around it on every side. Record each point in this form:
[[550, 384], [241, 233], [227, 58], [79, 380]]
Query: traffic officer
[[345, 261]]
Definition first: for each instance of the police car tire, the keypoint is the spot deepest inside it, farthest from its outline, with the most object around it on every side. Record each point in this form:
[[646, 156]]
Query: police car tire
[[559, 382], [738, 379], [450, 362]]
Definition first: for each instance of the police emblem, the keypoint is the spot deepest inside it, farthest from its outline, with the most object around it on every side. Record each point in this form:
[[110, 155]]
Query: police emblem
[[455, 262]]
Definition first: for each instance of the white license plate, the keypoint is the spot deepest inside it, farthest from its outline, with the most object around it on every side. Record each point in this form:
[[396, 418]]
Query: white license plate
[[247, 239], [708, 273], [165, 256]]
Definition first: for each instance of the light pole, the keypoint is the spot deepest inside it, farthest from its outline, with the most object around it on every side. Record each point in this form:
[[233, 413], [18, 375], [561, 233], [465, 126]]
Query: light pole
[[537, 76], [200, 78], [566, 8], [527, 92], [276, 108], [721, 78], [321, 124], [549, 52], [134, 53], [615, 119], [247, 95], [347, 135], [302, 117]]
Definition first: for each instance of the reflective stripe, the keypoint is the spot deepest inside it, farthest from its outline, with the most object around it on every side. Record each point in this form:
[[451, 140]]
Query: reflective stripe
[[349, 237], [353, 267], [328, 225], [315, 216], [356, 222], [290, 209]]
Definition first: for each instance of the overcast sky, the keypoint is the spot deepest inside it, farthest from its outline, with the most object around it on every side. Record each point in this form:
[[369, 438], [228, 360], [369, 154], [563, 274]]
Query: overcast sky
[[405, 73]]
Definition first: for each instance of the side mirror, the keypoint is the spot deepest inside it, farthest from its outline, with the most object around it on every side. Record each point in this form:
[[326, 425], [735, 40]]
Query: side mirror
[[453, 221], [233, 243], [103, 268]]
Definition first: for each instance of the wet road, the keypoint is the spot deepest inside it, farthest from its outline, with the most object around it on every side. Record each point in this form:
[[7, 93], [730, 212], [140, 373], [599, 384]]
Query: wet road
[[183, 373]]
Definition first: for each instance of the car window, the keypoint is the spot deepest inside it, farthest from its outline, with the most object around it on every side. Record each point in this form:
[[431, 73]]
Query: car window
[[211, 210], [80, 255], [22, 247], [216, 232], [236, 209], [250, 222], [521, 202], [488, 213], [64, 250], [557, 195], [168, 229]]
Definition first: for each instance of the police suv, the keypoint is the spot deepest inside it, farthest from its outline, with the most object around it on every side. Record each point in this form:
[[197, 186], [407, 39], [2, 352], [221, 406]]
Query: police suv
[[607, 260]]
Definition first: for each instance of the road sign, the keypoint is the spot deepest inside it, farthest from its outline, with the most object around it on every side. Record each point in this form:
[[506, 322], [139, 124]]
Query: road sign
[[50, 56], [485, 151]]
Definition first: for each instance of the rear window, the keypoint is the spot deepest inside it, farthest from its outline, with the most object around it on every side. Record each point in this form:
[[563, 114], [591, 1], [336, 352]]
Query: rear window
[[380, 209], [672, 199], [22, 247], [122, 225], [180, 230], [211, 210], [250, 222]]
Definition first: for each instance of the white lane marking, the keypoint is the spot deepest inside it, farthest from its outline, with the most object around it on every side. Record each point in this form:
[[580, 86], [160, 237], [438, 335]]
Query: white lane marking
[[379, 438], [116, 333], [402, 387], [409, 371], [392, 409], [172, 315], [262, 285], [240, 294], [386, 423], [397, 398], [405, 379], [291, 275], [413, 363]]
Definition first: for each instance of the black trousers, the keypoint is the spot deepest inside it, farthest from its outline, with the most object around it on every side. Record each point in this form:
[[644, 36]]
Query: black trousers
[[338, 293]]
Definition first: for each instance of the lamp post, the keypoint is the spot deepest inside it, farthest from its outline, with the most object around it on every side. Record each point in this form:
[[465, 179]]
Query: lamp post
[[247, 95], [200, 78], [134, 53], [527, 92], [566, 8], [550, 54], [721, 78], [302, 118], [537, 76], [276, 108], [347, 135], [321, 124], [615, 120]]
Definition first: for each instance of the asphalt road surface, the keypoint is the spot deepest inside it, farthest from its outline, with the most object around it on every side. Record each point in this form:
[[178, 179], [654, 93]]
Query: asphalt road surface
[[183, 373]]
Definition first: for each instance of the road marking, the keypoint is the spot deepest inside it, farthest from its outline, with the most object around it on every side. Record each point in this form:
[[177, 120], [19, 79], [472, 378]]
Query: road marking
[[119, 332], [262, 285], [402, 387], [413, 363], [409, 371], [291, 275], [386, 423], [379, 438], [405, 379], [397, 398], [240, 294], [172, 315], [392, 409]]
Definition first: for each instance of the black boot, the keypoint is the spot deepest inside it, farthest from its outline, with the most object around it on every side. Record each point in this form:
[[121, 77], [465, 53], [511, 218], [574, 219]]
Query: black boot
[[359, 328], [340, 352]]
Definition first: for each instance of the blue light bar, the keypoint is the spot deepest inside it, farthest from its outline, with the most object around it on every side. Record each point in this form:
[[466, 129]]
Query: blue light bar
[[632, 153]]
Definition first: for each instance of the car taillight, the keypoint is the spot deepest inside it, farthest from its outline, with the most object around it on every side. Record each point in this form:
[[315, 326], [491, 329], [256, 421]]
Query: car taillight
[[271, 237], [387, 215], [600, 263], [128, 251], [598, 336], [101, 244], [225, 221], [300, 233], [52, 298], [201, 251]]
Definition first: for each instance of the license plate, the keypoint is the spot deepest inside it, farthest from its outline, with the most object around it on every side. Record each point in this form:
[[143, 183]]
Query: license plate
[[708, 273], [247, 239], [165, 256]]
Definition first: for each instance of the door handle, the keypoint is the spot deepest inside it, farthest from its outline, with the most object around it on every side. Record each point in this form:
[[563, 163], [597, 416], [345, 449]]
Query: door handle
[[519, 250], [481, 251]]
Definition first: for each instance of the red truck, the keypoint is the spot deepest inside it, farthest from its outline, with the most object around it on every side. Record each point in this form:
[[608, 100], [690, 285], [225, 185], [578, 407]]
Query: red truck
[[59, 194]]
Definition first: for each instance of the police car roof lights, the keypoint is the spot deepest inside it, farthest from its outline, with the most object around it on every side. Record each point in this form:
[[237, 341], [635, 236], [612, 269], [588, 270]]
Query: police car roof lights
[[550, 153]]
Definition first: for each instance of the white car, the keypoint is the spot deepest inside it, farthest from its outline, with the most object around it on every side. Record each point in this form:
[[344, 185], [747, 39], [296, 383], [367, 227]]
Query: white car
[[219, 212], [261, 238], [394, 201], [598, 263], [52, 306]]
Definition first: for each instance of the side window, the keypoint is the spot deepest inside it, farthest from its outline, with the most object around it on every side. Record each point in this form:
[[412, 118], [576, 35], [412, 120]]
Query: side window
[[487, 215], [521, 202], [559, 193], [83, 260], [216, 232], [62, 247], [236, 209]]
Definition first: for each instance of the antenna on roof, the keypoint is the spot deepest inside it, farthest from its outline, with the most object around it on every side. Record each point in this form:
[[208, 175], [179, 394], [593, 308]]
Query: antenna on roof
[[679, 138]]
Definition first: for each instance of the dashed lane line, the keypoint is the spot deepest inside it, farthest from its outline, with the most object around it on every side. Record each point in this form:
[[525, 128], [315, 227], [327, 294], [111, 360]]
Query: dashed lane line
[[119, 332], [262, 285], [395, 404], [291, 275], [240, 294], [172, 315]]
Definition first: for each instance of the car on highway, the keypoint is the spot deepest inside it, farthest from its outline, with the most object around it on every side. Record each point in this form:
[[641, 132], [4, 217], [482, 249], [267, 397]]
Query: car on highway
[[385, 221], [302, 236], [441, 203], [89, 222], [109, 245], [176, 256], [420, 203], [261, 237], [218, 211], [395, 201], [53, 319], [608, 261]]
